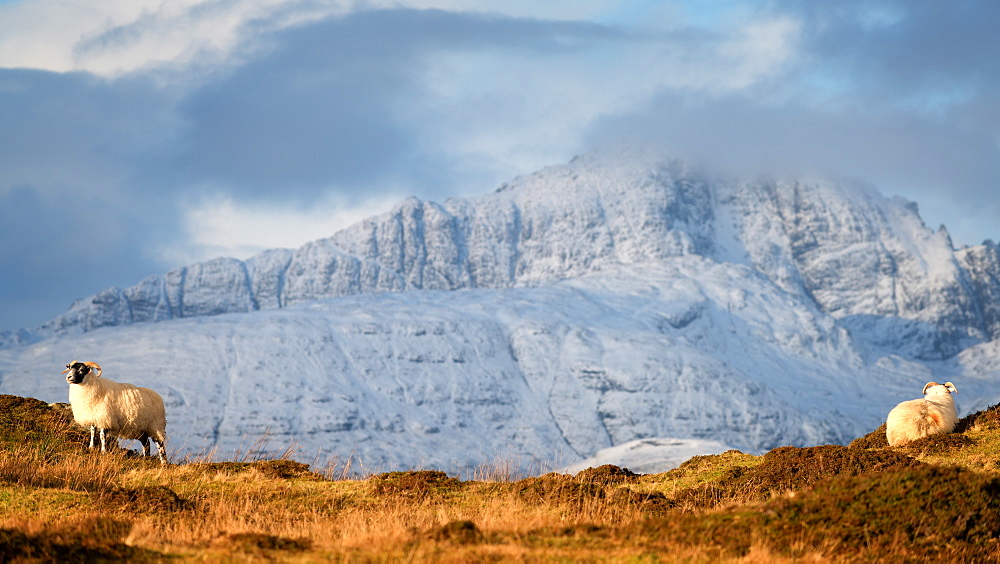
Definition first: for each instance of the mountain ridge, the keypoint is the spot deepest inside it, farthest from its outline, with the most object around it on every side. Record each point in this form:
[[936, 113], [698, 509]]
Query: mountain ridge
[[644, 210], [590, 304]]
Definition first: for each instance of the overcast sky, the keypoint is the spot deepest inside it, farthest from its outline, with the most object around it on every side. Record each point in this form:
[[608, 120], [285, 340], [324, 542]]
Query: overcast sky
[[139, 135]]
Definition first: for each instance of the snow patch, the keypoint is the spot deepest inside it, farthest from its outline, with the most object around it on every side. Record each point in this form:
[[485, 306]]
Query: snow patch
[[649, 456]]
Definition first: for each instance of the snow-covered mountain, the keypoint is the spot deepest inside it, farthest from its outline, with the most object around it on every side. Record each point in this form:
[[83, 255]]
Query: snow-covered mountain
[[618, 297]]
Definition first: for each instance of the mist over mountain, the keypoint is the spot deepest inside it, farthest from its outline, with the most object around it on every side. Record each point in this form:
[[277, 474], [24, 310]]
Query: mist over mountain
[[620, 296]]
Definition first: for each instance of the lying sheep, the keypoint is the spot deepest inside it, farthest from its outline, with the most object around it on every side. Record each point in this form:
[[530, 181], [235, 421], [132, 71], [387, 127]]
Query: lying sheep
[[931, 415], [118, 410]]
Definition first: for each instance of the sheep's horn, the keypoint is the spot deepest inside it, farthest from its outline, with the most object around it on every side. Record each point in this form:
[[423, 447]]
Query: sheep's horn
[[951, 387], [928, 385], [96, 367], [68, 366]]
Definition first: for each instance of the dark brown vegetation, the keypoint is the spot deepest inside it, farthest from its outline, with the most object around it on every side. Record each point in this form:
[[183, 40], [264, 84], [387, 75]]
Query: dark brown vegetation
[[935, 500], [28, 420], [414, 485], [91, 540], [280, 469], [788, 469]]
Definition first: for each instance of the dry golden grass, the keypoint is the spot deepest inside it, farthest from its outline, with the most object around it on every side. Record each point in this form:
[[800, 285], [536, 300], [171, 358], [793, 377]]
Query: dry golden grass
[[59, 502]]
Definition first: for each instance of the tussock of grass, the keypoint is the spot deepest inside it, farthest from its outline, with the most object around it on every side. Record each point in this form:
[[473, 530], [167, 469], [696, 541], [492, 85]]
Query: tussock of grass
[[875, 439], [414, 485], [257, 543], [788, 468], [148, 499], [938, 444], [608, 475], [93, 538], [461, 531], [924, 506], [26, 466], [988, 418], [935, 499], [29, 420], [277, 469], [551, 489], [922, 512]]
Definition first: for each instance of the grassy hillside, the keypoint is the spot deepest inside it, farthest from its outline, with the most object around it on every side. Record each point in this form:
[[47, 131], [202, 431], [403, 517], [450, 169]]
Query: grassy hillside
[[938, 499]]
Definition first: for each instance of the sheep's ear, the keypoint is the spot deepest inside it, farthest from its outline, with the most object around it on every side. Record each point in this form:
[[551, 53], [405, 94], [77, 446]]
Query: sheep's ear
[[929, 384], [951, 387]]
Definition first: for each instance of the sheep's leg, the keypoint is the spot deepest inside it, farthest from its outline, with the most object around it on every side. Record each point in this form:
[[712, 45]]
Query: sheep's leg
[[161, 450], [93, 431], [104, 440], [144, 439]]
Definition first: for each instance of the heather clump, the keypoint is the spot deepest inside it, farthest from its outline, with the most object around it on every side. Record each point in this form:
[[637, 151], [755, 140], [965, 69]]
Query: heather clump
[[413, 485], [789, 468]]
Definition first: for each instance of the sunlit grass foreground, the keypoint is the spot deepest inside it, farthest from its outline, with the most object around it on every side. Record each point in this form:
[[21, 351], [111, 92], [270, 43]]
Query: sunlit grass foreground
[[937, 500]]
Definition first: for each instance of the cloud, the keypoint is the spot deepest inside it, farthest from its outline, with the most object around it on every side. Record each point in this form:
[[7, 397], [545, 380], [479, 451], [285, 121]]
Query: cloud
[[899, 94], [220, 226], [75, 212], [60, 245], [320, 119], [181, 125], [75, 129], [745, 136], [121, 36], [364, 99], [921, 47]]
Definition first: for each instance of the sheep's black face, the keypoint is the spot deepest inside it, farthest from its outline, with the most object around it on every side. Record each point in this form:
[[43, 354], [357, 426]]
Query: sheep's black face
[[76, 372]]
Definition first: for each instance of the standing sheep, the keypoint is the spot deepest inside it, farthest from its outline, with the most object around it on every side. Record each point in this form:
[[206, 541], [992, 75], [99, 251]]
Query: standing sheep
[[118, 410], [919, 418]]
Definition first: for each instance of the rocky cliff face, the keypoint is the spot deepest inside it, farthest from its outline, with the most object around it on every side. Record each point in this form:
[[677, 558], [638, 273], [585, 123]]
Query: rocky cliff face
[[864, 259]]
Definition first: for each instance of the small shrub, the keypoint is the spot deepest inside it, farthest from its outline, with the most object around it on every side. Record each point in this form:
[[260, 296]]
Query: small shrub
[[413, 485], [280, 469], [875, 439], [90, 539], [701, 462], [607, 475], [153, 499], [916, 513], [459, 532], [938, 444], [257, 542], [26, 465], [926, 507], [988, 418], [555, 488], [707, 468], [653, 502], [791, 468], [30, 420]]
